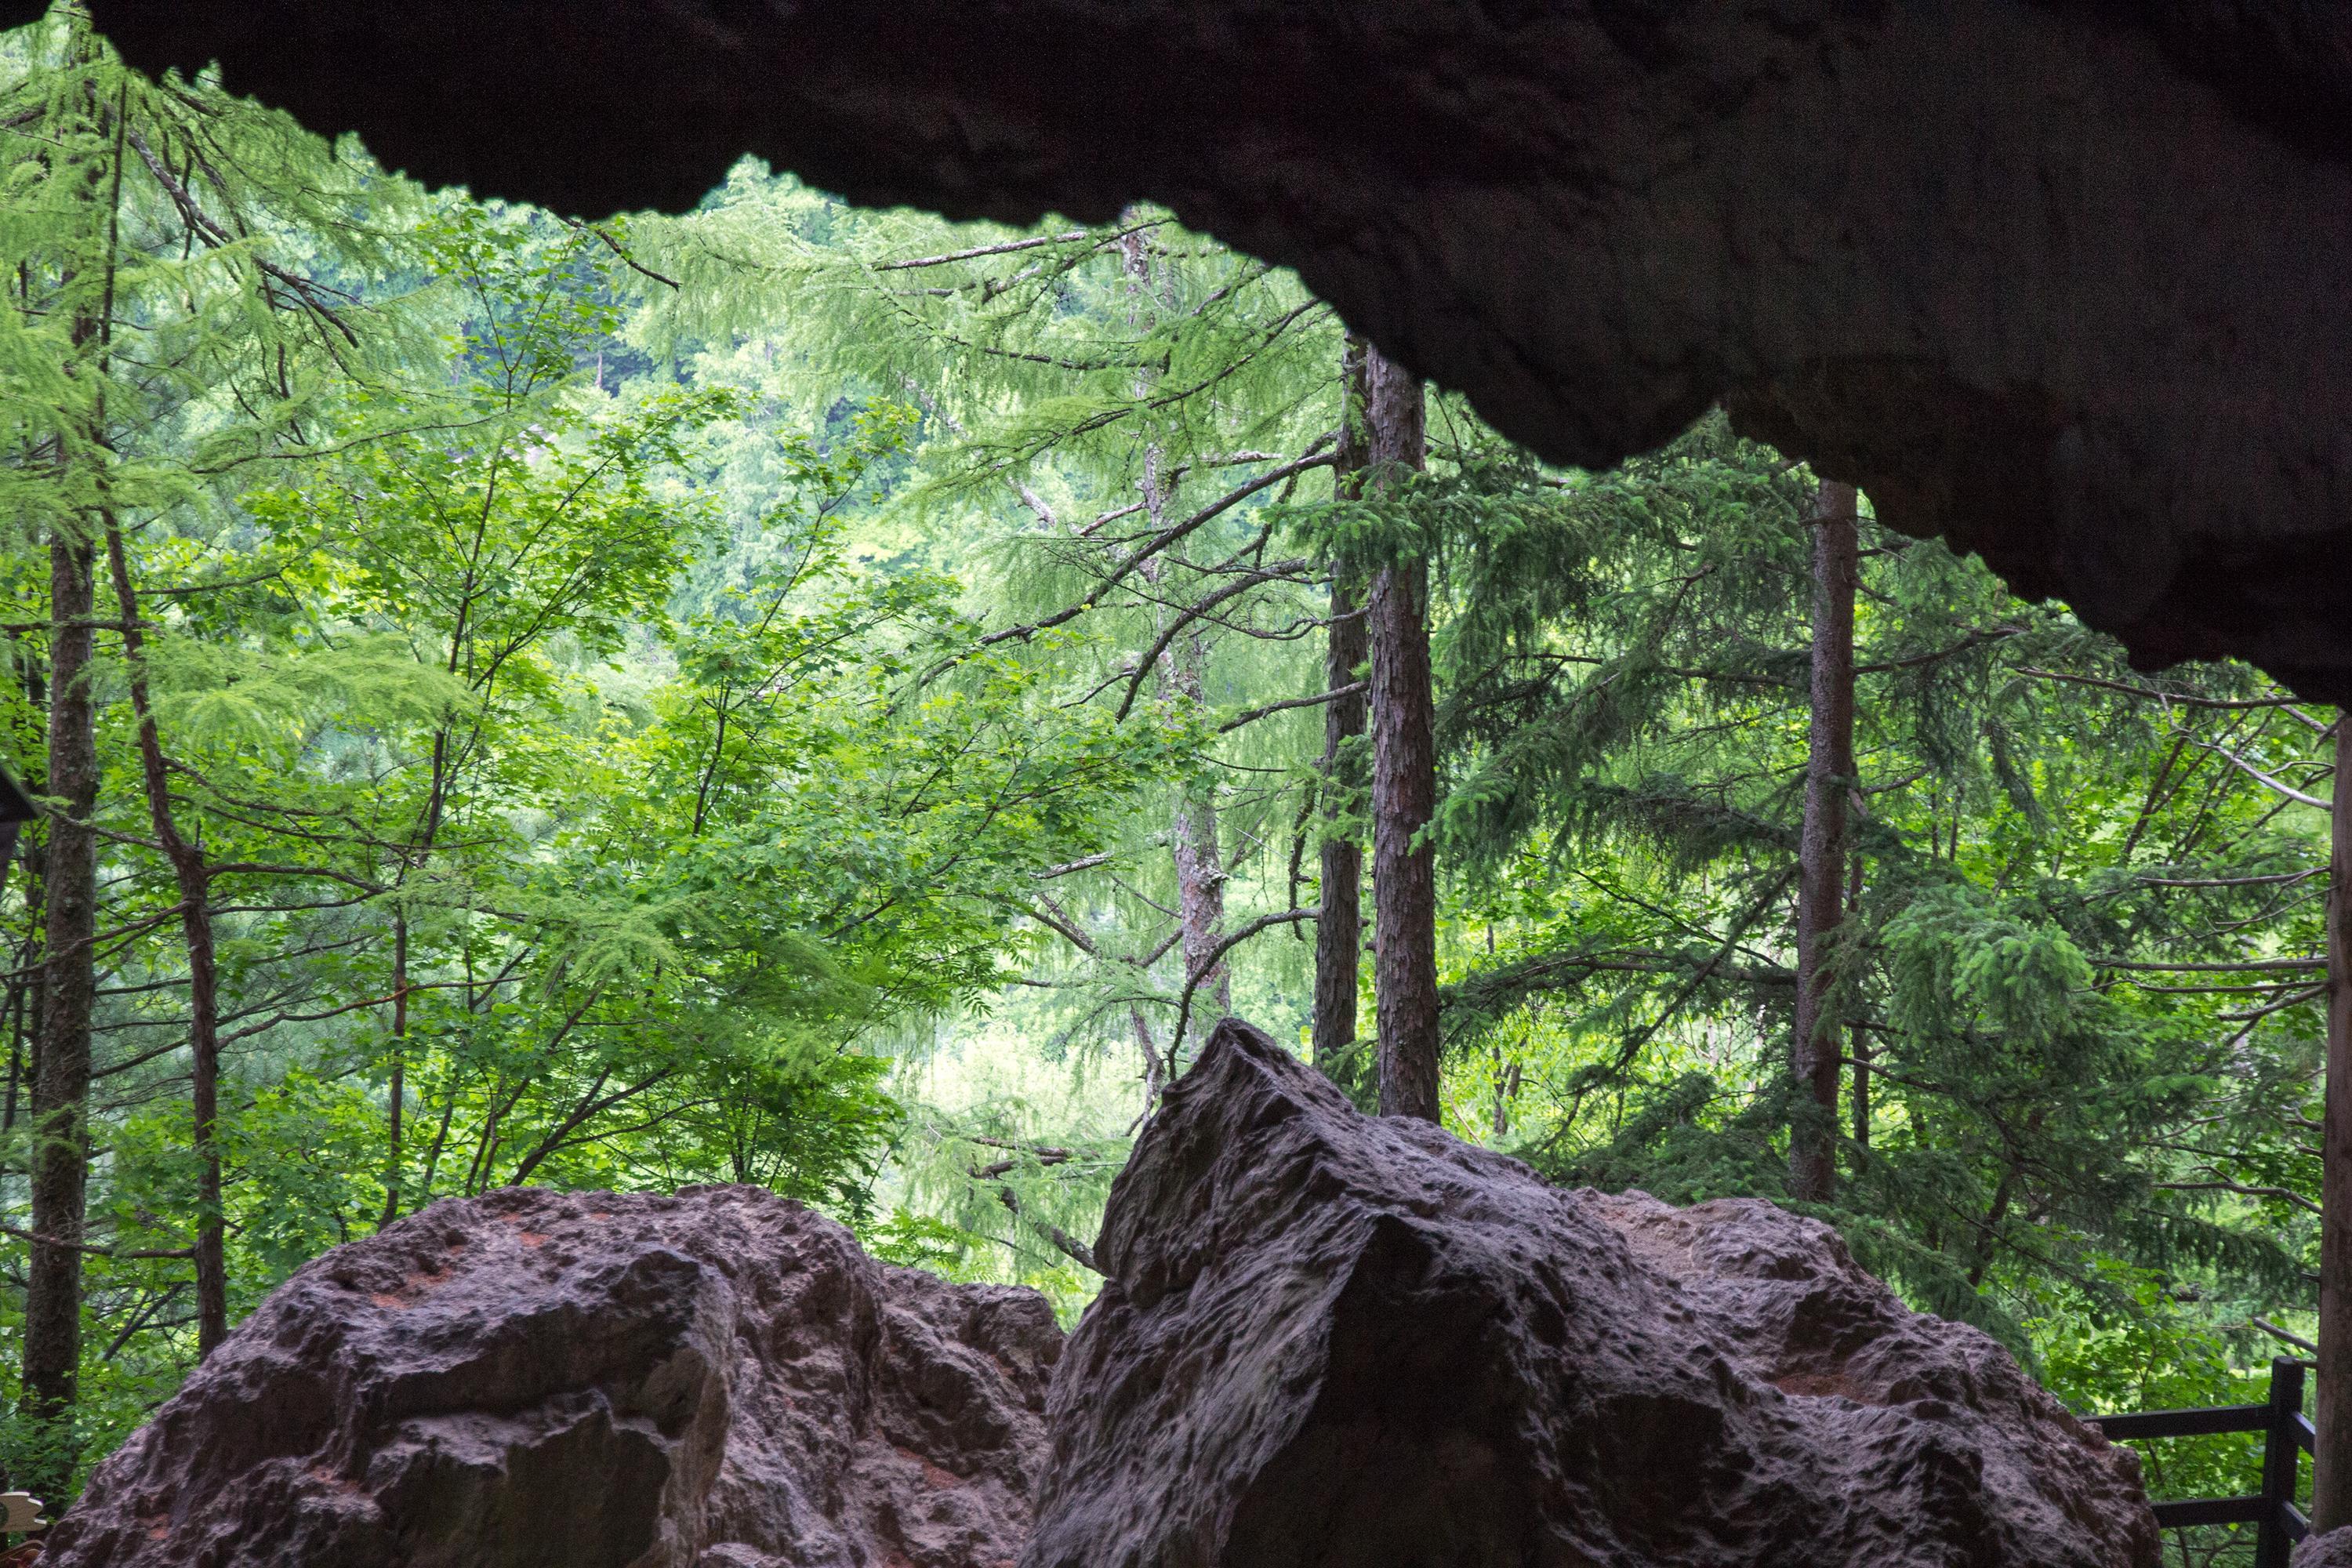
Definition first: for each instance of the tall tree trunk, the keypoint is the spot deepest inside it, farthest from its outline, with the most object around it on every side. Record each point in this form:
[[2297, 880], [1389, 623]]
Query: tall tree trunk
[[25, 1045], [1193, 828], [1860, 1043], [1817, 1039], [23, 985], [194, 880], [1340, 929], [1405, 771], [1183, 669], [68, 991], [60, 1107], [2331, 1470], [396, 1090], [1200, 898]]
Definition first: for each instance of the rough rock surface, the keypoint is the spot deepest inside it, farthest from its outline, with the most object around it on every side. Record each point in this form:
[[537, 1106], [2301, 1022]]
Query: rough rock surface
[[2333, 1549], [530, 1379], [2069, 281], [1333, 1340]]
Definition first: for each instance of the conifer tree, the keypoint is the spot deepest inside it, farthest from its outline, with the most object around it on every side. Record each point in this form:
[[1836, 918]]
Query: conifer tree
[[1404, 766], [1816, 1036], [1115, 406], [2331, 1482], [86, 114], [145, 280], [2043, 955], [526, 702], [1338, 929]]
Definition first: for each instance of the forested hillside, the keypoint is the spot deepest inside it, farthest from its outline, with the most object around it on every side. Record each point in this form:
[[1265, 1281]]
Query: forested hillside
[[839, 701]]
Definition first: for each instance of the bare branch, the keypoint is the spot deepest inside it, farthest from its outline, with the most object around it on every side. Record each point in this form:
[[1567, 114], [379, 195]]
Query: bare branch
[[2297, 1341], [2250, 965], [39, 1240], [2282, 1194], [1316, 457], [631, 262], [1077, 1251], [2281, 786], [1192, 612], [1069, 866], [2180, 699], [1005, 249], [2277, 878], [1252, 715], [1210, 960]]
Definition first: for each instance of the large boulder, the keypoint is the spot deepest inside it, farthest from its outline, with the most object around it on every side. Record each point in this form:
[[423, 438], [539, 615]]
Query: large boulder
[[1336, 1341], [719, 1379], [2333, 1549]]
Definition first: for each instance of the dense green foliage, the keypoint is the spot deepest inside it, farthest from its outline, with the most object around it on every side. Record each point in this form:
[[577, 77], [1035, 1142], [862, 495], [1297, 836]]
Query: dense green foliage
[[834, 699], [2075, 966]]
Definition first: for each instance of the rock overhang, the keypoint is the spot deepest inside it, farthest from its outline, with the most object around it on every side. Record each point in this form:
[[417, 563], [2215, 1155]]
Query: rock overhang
[[2068, 283]]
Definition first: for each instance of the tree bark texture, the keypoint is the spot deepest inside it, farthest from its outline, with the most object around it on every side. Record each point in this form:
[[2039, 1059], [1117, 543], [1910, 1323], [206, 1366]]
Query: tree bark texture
[[1193, 824], [397, 1088], [1183, 674], [1340, 929], [1859, 1098], [60, 1107], [69, 991], [24, 1053], [2331, 1470], [1200, 897], [194, 881], [1404, 771], [1817, 1039]]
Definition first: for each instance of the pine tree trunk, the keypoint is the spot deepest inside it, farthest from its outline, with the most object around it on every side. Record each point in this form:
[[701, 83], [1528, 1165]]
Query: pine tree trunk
[[2331, 1470], [1817, 1039], [1404, 773], [1861, 1095], [1339, 929], [25, 1046], [396, 1090], [1859, 1045], [194, 883], [60, 1107], [68, 991]]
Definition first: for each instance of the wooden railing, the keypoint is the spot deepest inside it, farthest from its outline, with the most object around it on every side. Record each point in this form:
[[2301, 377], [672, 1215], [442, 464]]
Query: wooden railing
[[2286, 1437]]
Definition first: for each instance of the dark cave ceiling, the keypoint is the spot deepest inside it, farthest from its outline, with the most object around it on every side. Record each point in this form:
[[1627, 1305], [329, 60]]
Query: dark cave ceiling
[[2069, 283]]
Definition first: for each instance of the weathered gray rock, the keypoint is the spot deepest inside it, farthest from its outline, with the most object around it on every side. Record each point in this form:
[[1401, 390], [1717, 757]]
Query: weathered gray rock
[[1333, 1340], [2067, 281], [2333, 1549], [719, 1379]]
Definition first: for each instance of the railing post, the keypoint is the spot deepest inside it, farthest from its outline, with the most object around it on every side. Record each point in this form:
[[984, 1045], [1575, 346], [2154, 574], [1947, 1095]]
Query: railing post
[[2281, 1453]]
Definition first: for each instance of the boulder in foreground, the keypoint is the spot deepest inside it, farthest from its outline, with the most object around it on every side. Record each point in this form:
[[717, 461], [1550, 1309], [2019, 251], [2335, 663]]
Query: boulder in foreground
[[2333, 1549], [1334, 1341], [721, 1379]]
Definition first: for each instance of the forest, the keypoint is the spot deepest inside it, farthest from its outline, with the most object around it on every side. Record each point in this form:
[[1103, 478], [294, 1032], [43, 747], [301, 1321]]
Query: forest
[[840, 700]]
